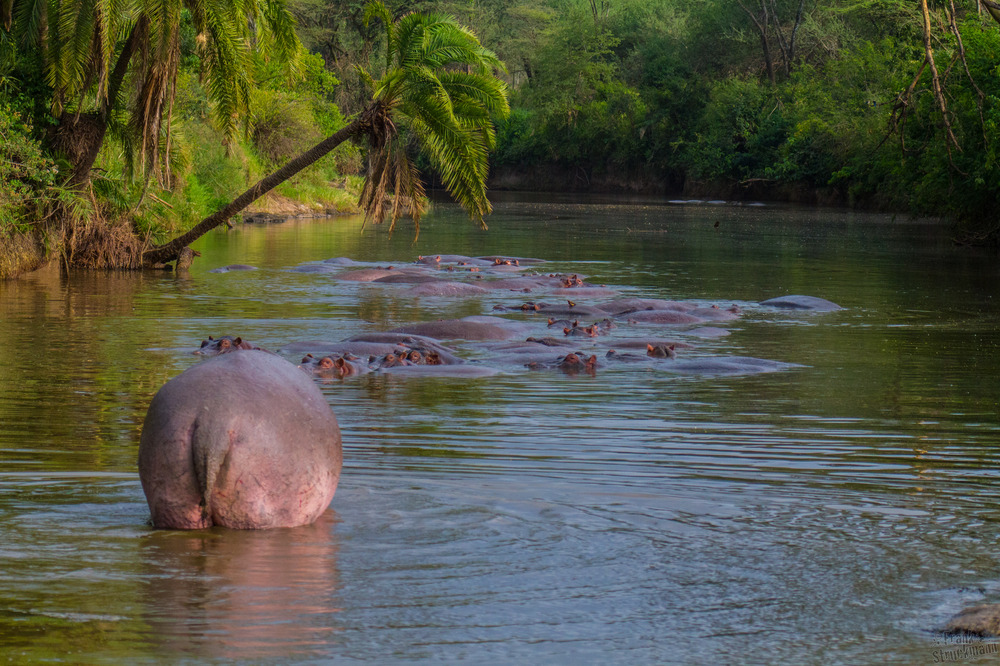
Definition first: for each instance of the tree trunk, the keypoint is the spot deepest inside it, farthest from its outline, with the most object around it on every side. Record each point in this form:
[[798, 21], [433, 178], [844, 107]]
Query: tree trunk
[[170, 251], [761, 24], [993, 8], [97, 127]]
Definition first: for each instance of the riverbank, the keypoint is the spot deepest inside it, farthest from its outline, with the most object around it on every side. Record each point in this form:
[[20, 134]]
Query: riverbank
[[92, 243]]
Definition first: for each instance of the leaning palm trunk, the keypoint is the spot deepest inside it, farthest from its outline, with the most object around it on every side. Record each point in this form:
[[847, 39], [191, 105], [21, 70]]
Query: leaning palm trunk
[[439, 87], [170, 251]]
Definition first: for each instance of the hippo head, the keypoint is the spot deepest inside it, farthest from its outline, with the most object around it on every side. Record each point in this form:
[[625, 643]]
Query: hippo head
[[222, 345], [661, 351]]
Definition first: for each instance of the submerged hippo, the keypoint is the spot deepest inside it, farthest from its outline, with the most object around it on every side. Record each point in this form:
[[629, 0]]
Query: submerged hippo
[[981, 620], [223, 345], [244, 440], [330, 367], [797, 302], [468, 328], [571, 364], [233, 267]]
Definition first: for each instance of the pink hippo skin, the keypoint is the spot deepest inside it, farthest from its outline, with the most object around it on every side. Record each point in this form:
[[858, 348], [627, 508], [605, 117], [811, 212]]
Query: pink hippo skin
[[244, 440]]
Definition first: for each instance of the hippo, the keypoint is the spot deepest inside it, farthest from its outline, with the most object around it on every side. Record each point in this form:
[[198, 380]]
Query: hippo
[[570, 309], [365, 274], [467, 371], [469, 328], [621, 306], [244, 440], [315, 268], [340, 261], [334, 367], [726, 365], [522, 284], [549, 341], [707, 332], [458, 259], [393, 359], [652, 352], [517, 261], [572, 363], [406, 277], [670, 317], [796, 302], [982, 620], [582, 331], [645, 343], [407, 340], [661, 351], [233, 267], [613, 355], [447, 288], [585, 292], [715, 313], [223, 345], [406, 356], [321, 347]]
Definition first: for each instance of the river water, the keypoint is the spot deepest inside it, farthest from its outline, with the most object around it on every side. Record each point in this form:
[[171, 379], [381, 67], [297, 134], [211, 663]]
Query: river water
[[836, 512]]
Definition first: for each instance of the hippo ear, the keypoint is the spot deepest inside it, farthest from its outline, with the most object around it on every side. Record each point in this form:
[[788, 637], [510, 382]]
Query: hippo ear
[[238, 341], [204, 343], [649, 348], [566, 331], [551, 321], [305, 359], [571, 304], [340, 362]]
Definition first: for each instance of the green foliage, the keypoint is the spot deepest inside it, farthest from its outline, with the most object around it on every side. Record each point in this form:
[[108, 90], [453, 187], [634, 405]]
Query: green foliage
[[27, 176], [438, 85], [673, 90]]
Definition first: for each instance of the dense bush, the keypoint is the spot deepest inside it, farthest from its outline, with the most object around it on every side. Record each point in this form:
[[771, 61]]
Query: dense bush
[[26, 174]]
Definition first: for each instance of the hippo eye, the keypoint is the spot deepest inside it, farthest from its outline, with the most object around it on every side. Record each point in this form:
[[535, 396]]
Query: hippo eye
[[326, 362], [224, 344]]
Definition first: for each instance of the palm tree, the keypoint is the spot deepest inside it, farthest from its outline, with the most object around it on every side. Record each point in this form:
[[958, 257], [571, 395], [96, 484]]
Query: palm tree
[[439, 90], [88, 50]]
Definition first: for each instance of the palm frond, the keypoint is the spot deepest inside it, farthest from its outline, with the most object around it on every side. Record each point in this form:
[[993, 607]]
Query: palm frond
[[447, 110]]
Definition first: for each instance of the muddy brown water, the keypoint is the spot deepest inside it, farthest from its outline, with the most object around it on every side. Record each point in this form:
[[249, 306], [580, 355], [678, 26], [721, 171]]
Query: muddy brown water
[[832, 513]]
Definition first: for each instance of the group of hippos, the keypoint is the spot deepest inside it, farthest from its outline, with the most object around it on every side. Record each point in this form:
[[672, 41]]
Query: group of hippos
[[561, 332], [246, 439]]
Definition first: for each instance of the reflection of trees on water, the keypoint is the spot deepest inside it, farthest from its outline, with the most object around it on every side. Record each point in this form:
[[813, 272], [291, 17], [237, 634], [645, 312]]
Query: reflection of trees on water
[[75, 373], [242, 594]]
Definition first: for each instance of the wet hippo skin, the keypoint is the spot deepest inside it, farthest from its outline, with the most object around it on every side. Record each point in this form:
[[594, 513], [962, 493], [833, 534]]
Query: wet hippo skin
[[243, 440]]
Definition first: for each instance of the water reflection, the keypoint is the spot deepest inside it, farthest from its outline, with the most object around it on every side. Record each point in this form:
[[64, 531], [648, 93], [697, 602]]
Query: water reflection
[[242, 595], [827, 514]]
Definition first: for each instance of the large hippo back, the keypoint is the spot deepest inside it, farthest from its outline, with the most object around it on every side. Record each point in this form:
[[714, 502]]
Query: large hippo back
[[245, 440]]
